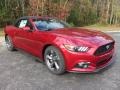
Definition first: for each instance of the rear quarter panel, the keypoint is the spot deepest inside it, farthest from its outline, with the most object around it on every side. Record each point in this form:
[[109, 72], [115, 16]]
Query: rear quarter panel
[[9, 30]]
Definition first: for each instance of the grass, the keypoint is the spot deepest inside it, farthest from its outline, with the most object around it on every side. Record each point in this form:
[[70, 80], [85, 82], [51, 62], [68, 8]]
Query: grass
[[103, 27], [1, 32]]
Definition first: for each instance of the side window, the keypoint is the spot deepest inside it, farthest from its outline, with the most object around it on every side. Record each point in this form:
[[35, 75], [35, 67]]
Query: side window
[[21, 23], [24, 22], [41, 25]]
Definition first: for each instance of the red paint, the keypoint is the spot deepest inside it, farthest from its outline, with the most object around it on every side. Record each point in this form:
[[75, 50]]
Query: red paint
[[34, 42]]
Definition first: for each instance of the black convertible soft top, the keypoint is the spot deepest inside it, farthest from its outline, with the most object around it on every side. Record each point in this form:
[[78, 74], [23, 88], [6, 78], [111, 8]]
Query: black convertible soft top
[[28, 17]]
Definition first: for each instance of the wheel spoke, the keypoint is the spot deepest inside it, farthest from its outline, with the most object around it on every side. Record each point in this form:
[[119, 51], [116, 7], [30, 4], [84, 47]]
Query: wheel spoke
[[49, 57], [50, 64], [56, 65]]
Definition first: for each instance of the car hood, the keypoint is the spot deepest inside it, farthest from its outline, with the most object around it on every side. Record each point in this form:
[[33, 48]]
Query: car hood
[[84, 35]]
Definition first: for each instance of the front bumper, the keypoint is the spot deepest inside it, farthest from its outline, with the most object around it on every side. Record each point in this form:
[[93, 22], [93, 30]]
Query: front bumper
[[96, 62]]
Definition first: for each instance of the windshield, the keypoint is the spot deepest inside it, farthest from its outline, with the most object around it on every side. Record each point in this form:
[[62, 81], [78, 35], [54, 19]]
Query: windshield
[[50, 24]]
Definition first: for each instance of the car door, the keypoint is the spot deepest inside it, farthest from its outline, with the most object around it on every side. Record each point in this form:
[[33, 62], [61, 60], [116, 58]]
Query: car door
[[20, 33], [27, 39]]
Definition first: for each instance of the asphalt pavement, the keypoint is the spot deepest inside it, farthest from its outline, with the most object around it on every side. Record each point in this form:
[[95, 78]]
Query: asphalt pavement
[[20, 71]]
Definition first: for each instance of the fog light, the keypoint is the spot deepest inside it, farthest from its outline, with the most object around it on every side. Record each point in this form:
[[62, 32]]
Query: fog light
[[83, 64]]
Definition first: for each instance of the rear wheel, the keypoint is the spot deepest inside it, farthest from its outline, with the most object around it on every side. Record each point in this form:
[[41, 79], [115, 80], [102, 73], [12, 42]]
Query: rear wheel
[[54, 60], [9, 43]]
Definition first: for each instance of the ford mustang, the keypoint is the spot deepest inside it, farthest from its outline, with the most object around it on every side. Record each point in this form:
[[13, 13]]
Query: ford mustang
[[61, 47]]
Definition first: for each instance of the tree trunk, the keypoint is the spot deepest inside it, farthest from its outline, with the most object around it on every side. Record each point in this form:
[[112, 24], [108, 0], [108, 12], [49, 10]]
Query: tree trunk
[[111, 13], [107, 11]]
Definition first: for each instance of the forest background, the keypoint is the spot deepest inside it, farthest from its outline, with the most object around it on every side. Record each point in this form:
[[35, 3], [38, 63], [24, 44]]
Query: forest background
[[75, 12]]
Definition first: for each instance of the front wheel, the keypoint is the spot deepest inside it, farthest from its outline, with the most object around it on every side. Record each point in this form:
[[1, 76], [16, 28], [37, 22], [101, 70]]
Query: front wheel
[[9, 43], [54, 60]]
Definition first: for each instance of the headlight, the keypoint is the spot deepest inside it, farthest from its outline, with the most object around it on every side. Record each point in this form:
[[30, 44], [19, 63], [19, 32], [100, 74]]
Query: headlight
[[77, 48]]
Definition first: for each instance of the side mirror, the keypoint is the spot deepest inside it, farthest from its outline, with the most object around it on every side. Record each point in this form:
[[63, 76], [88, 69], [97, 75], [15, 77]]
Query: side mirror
[[26, 28]]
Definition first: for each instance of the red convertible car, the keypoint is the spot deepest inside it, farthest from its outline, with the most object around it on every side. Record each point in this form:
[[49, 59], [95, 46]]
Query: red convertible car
[[61, 47]]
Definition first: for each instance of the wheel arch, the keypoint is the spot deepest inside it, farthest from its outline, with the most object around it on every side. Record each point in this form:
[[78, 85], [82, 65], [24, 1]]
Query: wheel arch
[[6, 35], [44, 48], [54, 45]]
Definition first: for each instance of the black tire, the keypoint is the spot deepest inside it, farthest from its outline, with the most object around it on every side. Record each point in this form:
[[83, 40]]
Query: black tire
[[54, 60], [9, 43]]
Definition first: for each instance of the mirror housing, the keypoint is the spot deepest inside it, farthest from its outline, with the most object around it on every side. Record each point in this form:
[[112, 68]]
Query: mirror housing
[[26, 28]]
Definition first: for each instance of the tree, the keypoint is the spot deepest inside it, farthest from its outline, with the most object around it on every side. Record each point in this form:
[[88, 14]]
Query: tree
[[77, 12]]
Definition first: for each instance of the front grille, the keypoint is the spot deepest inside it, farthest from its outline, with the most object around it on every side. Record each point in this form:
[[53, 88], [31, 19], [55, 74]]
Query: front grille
[[102, 62], [105, 48]]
